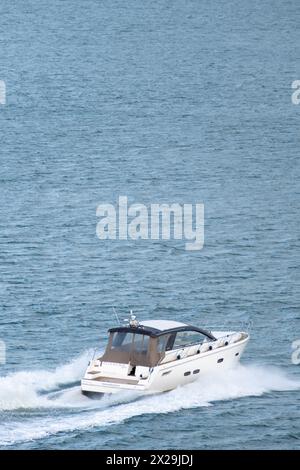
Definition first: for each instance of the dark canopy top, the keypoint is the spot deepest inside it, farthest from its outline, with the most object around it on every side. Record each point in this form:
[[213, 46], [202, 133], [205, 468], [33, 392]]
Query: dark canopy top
[[154, 332]]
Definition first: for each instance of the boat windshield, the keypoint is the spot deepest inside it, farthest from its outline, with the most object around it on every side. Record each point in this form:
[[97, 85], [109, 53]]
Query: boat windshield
[[136, 348], [122, 341], [127, 342]]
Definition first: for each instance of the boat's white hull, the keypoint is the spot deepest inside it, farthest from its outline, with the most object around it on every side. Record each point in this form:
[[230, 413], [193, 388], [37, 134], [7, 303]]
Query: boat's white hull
[[169, 375]]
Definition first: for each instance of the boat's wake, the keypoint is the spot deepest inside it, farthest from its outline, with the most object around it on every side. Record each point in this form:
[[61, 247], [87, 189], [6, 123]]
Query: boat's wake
[[25, 392], [34, 389]]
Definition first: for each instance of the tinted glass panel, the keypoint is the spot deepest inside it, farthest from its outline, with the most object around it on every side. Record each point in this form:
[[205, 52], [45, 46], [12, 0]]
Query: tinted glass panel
[[122, 340], [141, 343], [161, 343], [170, 342]]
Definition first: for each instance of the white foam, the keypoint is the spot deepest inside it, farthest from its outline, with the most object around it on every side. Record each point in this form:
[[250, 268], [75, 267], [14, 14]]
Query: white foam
[[240, 382], [20, 390]]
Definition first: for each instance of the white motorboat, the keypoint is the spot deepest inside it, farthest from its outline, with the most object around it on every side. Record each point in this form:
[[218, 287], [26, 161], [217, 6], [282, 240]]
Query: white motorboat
[[159, 355]]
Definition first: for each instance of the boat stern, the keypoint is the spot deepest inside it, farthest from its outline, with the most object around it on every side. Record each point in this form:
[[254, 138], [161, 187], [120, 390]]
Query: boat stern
[[107, 377]]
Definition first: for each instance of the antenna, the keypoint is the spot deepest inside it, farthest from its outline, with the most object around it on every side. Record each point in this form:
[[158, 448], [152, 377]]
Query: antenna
[[116, 315]]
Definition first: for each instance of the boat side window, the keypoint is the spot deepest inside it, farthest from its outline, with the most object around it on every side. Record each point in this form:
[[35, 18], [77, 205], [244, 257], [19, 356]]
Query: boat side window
[[122, 341], [165, 342], [161, 343], [186, 338], [170, 342]]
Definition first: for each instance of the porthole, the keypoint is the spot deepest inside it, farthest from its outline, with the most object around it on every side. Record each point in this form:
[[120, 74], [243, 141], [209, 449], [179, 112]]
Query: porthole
[[237, 354], [220, 360], [187, 373], [196, 371], [167, 372]]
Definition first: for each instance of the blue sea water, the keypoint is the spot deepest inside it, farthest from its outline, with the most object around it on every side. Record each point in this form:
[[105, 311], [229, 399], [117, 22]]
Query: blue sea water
[[165, 101]]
